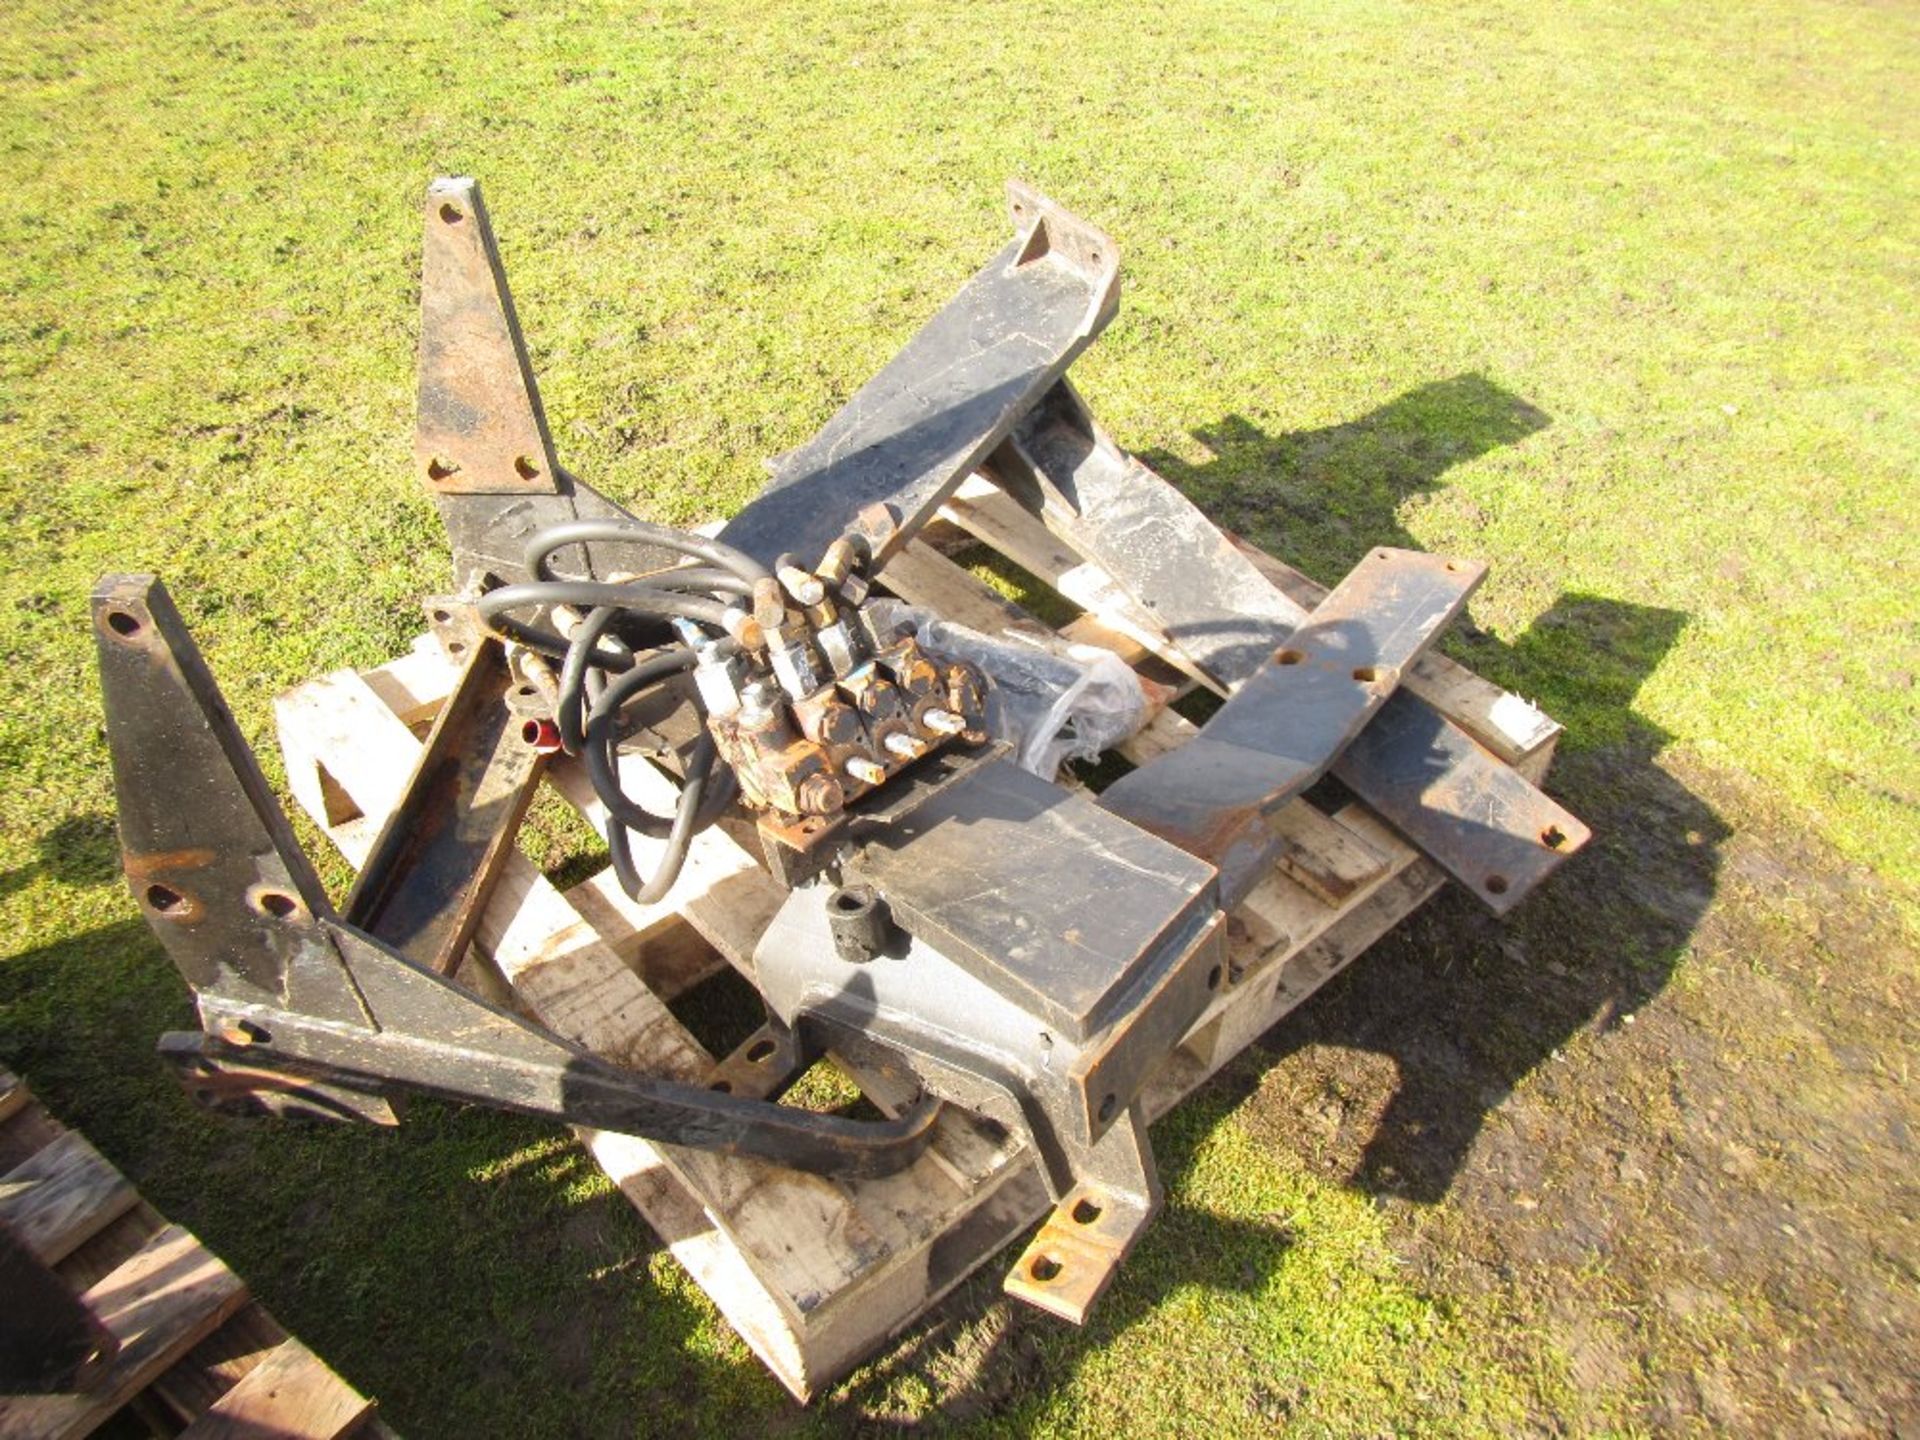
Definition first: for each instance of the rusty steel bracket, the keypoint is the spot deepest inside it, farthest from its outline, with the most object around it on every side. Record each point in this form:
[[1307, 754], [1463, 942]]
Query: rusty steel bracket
[[1425, 776], [1075, 1254], [481, 444], [1291, 719]]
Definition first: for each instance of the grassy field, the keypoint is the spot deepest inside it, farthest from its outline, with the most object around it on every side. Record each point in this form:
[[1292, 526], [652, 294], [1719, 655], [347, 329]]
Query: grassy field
[[1621, 299]]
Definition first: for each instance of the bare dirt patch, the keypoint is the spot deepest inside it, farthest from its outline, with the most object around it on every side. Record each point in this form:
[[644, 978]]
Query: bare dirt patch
[[1661, 1121]]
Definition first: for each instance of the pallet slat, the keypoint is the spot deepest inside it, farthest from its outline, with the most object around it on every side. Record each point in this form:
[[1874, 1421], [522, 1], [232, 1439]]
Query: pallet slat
[[159, 1304], [191, 1333], [290, 1392], [62, 1196]]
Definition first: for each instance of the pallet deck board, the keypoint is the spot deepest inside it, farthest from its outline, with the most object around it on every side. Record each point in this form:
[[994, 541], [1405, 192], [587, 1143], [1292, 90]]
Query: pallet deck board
[[172, 1293], [189, 1332], [291, 1391], [817, 1273], [63, 1195]]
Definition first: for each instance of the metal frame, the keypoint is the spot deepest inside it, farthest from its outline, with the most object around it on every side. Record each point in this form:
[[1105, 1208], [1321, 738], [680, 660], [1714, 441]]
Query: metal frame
[[1024, 951]]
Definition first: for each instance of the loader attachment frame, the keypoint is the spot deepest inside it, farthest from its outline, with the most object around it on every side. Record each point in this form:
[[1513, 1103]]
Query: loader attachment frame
[[1026, 951]]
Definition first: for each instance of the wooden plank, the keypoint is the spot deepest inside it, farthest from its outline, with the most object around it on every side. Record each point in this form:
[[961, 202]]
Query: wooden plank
[[348, 757], [62, 1196], [415, 686], [921, 575], [158, 1305], [200, 1377], [575, 984], [291, 1393], [722, 892], [1325, 856]]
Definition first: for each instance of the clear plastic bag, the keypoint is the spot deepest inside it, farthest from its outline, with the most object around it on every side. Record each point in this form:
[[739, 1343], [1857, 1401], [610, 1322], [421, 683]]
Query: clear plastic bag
[[1051, 699]]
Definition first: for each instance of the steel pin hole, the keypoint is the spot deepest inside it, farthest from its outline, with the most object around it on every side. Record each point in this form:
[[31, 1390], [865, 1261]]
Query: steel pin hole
[[166, 900], [124, 623], [1044, 1268], [1496, 884], [276, 904], [1553, 837], [452, 213], [1085, 1212]]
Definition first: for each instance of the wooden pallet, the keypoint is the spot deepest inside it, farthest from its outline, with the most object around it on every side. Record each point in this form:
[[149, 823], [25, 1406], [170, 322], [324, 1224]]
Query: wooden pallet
[[198, 1356], [817, 1274]]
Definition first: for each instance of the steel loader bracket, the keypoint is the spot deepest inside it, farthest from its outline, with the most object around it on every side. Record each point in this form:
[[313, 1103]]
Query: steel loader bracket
[[1027, 951]]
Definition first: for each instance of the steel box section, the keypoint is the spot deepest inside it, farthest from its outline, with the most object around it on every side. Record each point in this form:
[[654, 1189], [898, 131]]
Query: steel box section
[[911, 434], [1038, 892]]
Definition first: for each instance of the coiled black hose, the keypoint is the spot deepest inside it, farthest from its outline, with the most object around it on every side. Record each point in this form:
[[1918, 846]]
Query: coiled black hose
[[600, 675], [639, 532], [636, 599]]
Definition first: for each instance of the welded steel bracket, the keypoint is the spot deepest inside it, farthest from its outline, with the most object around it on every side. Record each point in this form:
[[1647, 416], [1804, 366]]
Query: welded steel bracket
[[1489, 826], [298, 1004], [911, 434], [481, 443]]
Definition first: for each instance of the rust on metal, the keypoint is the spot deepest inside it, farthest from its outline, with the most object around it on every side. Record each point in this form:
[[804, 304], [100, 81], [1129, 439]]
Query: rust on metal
[[433, 868], [481, 429]]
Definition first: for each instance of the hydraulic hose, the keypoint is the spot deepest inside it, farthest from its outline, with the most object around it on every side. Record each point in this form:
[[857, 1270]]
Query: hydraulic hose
[[600, 674], [639, 532], [646, 600]]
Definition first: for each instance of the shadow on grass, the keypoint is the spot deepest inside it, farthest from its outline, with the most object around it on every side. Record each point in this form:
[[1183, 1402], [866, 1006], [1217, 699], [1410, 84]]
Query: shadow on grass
[[1463, 1005], [473, 1271], [80, 850]]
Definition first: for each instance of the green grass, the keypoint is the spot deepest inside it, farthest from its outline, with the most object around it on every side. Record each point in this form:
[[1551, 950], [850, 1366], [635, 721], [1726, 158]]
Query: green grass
[[1620, 299]]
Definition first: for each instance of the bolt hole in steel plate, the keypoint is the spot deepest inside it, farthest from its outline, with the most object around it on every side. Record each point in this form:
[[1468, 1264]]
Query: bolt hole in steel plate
[[123, 622], [166, 900], [762, 1051], [1044, 1269], [1085, 1212], [275, 903]]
